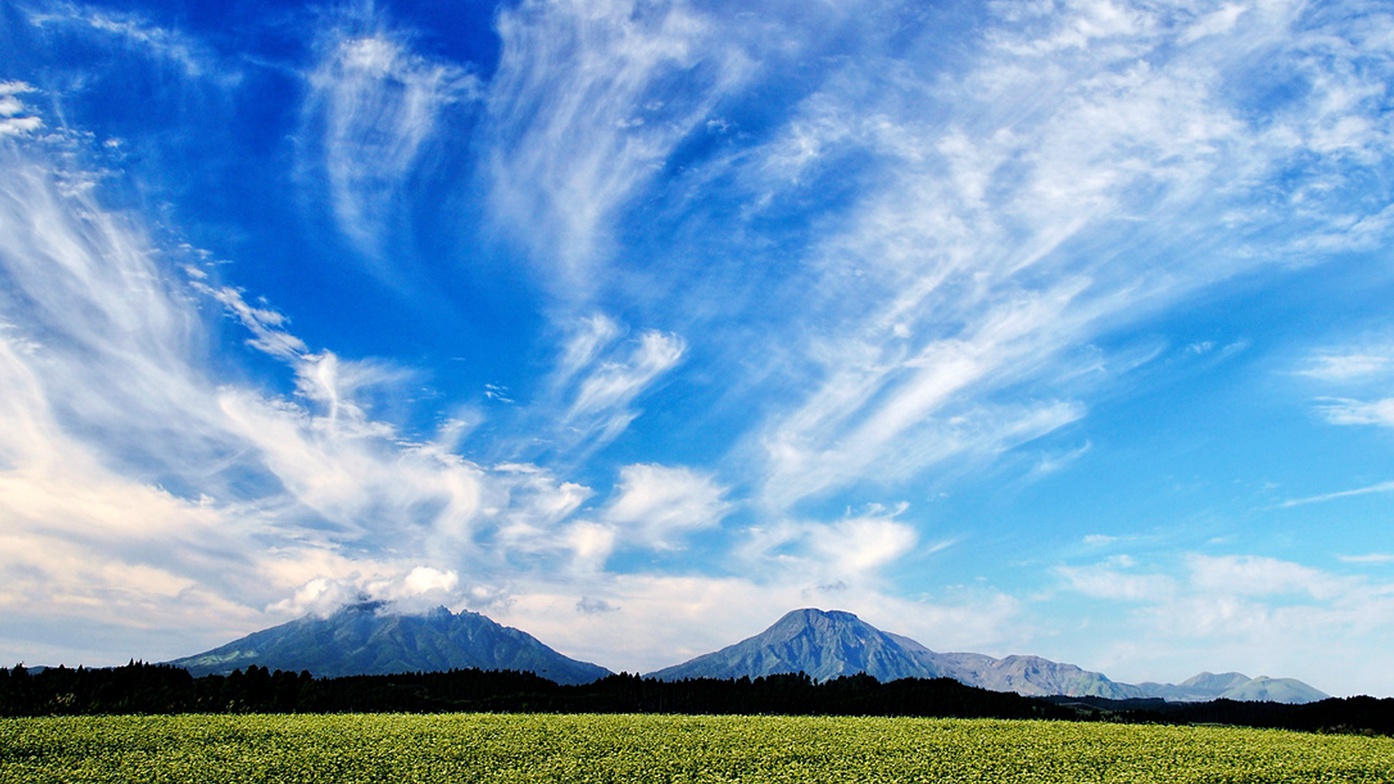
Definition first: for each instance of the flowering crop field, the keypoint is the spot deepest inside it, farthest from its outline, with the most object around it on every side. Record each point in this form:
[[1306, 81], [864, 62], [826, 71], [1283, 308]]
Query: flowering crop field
[[384, 748]]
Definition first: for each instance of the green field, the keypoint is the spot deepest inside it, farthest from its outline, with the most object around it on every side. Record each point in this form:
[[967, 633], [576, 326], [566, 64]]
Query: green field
[[533, 748]]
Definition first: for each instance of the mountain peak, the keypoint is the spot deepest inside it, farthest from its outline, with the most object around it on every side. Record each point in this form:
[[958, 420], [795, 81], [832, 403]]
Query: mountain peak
[[1213, 681], [812, 617], [361, 607], [823, 644]]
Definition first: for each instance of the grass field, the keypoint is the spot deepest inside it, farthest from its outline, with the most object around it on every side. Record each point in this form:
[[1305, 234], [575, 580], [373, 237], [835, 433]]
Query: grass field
[[571, 748]]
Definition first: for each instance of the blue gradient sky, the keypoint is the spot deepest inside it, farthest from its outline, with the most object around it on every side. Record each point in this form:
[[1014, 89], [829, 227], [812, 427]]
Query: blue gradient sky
[[1036, 327]]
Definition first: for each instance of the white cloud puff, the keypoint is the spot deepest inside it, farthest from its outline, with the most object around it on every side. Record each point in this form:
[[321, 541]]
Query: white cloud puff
[[657, 506]]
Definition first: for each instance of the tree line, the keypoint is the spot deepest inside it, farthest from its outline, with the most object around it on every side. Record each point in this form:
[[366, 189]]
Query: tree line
[[141, 688]]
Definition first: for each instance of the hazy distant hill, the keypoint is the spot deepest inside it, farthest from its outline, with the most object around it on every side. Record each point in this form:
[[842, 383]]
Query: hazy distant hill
[[1235, 686], [365, 639], [826, 644]]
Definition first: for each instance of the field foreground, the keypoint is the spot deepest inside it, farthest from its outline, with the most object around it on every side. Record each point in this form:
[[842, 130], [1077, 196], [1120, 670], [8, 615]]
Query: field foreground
[[640, 748]]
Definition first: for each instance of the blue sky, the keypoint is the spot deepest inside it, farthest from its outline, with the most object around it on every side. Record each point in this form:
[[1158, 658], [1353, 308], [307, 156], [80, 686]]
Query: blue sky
[[1025, 327]]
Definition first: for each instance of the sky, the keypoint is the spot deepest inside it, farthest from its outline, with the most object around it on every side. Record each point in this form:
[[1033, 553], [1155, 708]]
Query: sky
[[1055, 327]]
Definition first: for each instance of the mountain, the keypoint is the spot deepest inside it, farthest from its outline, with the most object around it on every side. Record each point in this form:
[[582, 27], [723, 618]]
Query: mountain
[[822, 644], [1235, 686], [366, 639], [826, 644]]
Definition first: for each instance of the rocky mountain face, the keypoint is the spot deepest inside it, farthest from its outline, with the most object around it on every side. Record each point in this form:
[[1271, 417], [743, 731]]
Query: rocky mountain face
[[367, 639], [827, 644], [822, 644]]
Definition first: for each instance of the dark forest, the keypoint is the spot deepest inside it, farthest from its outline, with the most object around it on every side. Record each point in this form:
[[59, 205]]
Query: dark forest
[[139, 688]]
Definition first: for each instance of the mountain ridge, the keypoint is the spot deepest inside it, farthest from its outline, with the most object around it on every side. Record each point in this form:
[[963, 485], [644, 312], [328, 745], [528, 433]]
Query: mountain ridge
[[818, 642], [366, 639]]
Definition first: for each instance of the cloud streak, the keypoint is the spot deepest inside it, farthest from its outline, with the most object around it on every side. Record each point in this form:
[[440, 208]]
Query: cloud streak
[[374, 109], [583, 115], [599, 375], [190, 55], [1382, 487]]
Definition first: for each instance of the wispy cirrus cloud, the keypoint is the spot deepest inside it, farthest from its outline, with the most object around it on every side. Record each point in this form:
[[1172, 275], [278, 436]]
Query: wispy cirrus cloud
[[600, 373], [141, 483], [375, 107], [165, 44], [583, 117], [1355, 364], [1008, 215], [1339, 411], [1359, 373], [103, 411], [138, 479], [1382, 487], [1368, 558]]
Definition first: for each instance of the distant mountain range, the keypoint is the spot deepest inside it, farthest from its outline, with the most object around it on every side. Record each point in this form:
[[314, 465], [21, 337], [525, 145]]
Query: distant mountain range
[[826, 644], [368, 639]]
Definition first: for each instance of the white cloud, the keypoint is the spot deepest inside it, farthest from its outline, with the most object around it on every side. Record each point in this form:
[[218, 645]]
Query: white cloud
[[656, 506], [1259, 576], [588, 339], [1108, 581], [1238, 576], [1359, 372], [1350, 364], [265, 324], [614, 384], [861, 545], [528, 511], [1340, 411], [354, 474], [1218, 22], [591, 544], [851, 551], [13, 121]]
